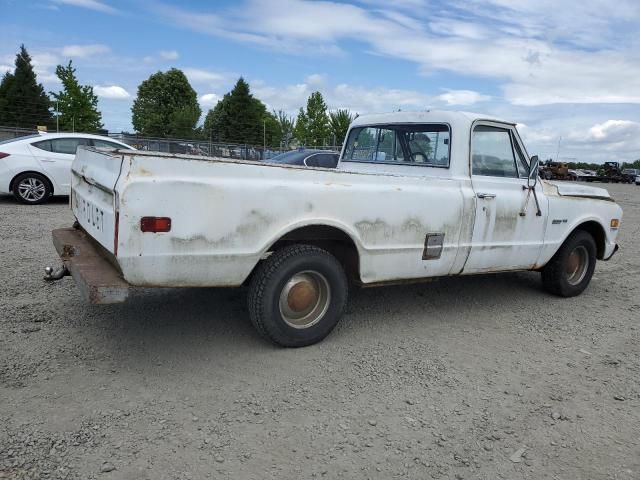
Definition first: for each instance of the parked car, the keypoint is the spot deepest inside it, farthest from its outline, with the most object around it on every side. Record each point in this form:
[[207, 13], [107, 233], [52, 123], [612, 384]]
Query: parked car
[[37, 166], [414, 196], [308, 158], [638, 180]]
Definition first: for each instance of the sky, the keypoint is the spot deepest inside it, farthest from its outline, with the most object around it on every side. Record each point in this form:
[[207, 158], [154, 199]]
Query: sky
[[567, 72]]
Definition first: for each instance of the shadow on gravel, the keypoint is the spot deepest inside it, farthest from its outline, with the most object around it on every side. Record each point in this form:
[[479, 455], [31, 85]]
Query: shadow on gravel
[[170, 326], [10, 200]]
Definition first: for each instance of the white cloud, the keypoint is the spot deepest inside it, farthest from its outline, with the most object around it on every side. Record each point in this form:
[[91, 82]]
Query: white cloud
[[169, 54], [208, 100], [112, 91], [529, 48], [88, 4], [462, 97], [353, 97], [615, 131], [81, 51], [200, 76]]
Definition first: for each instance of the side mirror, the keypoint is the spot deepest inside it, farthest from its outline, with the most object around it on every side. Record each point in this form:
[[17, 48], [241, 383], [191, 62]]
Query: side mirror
[[534, 163]]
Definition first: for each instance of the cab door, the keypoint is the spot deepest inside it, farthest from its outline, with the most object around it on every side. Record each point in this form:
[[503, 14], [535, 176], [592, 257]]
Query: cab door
[[508, 233]]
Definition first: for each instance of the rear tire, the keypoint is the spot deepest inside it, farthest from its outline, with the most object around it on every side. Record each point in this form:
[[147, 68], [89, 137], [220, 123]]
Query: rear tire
[[570, 270], [31, 188], [297, 295]]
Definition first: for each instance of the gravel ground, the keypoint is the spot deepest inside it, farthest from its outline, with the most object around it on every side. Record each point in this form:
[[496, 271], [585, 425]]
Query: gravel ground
[[481, 377]]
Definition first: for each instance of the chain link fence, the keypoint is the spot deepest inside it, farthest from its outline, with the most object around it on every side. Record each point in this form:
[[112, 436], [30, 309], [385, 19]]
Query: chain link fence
[[8, 133], [183, 146]]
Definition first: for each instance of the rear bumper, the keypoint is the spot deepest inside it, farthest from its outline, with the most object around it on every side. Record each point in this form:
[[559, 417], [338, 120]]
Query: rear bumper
[[99, 281]]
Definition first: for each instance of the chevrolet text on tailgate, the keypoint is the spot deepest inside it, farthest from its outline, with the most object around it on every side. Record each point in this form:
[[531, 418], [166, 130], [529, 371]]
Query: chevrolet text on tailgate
[[414, 196]]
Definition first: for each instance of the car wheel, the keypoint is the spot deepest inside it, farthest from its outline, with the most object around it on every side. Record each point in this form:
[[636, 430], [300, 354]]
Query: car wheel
[[297, 295], [31, 188], [570, 270]]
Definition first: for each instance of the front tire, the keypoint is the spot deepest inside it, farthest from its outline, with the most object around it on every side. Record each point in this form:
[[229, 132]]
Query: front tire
[[297, 295], [570, 270], [31, 188]]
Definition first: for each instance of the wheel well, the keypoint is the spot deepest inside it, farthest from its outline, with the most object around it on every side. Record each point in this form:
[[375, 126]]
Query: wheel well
[[331, 239], [31, 171], [597, 232]]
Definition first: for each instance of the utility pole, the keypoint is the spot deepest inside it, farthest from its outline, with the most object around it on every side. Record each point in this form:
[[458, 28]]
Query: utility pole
[[57, 116], [558, 151], [73, 124], [264, 138]]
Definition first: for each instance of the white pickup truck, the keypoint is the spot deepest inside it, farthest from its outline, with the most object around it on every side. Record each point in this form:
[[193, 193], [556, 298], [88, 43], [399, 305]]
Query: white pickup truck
[[414, 196]]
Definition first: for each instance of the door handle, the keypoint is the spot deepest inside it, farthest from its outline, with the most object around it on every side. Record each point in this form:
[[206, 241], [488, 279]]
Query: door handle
[[487, 196]]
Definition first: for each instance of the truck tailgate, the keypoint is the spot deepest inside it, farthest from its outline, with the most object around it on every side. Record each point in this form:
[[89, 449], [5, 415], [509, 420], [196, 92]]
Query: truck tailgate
[[93, 178]]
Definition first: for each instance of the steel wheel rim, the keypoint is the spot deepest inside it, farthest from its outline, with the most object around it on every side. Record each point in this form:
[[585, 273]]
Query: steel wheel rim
[[32, 189], [304, 299], [577, 265]]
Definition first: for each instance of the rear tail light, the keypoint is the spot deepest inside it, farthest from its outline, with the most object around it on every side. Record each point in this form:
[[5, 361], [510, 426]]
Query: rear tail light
[[155, 224], [3, 155]]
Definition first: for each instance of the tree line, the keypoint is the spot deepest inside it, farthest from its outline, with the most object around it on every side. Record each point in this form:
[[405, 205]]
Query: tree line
[[24, 103], [167, 106]]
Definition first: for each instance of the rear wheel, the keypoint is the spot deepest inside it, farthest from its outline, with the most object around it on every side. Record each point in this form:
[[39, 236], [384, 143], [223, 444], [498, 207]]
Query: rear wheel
[[297, 295], [570, 270], [31, 188]]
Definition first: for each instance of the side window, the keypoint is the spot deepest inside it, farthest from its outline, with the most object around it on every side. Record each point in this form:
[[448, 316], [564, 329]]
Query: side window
[[67, 145], [492, 153], [105, 144], [406, 144], [43, 145]]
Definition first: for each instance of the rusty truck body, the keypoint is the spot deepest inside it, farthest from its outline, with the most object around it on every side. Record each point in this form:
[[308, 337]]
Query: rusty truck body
[[414, 196]]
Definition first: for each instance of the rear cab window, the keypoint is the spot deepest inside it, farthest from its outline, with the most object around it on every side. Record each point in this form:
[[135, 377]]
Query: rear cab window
[[403, 144]]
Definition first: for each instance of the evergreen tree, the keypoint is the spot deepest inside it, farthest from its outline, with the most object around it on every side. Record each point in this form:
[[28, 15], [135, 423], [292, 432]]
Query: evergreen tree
[[77, 104], [166, 106], [241, 118], [23, 102], [312, 125]]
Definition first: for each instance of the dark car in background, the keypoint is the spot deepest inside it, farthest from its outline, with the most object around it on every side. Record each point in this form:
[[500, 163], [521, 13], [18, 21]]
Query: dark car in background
[[308, 158]]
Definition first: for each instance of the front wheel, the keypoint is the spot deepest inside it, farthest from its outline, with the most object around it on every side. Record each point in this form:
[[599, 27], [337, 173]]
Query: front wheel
[[570, 270], [297, 295]]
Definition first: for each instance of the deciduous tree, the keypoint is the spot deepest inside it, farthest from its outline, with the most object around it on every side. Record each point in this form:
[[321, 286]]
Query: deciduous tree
[[77, 104], [312, 124], [339, 122], [166, 106]]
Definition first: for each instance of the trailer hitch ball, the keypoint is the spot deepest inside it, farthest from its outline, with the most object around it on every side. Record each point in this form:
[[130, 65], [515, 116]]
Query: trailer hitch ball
[[50, 274]]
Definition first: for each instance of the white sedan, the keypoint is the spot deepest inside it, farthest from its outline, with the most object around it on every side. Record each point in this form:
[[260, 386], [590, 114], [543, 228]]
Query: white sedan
[[35, 167]]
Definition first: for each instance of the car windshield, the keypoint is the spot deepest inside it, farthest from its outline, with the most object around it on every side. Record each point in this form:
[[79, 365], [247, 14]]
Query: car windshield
[[10, 140]]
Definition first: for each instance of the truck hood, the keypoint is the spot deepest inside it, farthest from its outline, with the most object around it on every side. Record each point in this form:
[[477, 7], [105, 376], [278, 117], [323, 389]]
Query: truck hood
[[574, 189]]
